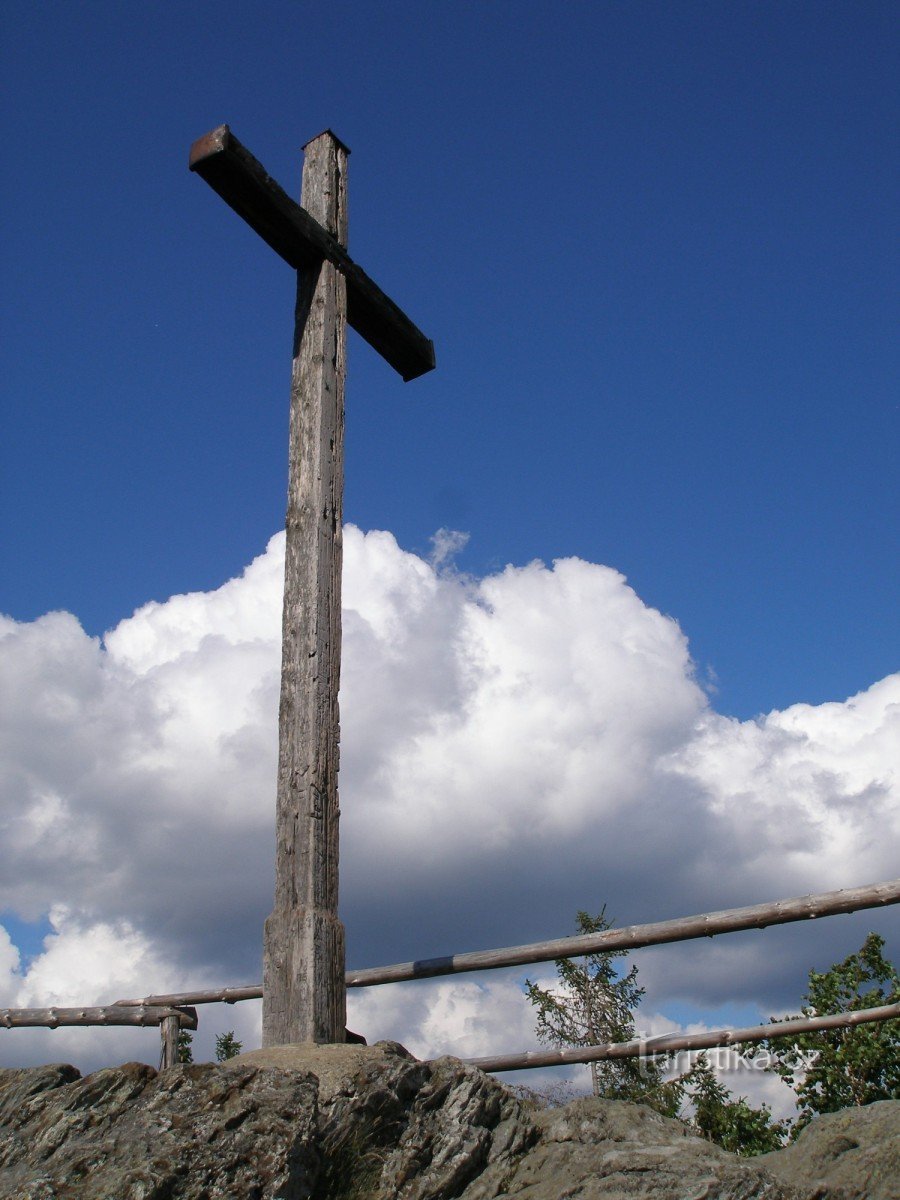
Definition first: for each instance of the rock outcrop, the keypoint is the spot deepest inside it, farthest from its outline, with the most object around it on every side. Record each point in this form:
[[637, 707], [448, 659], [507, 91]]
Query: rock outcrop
[[130, 1133], [333, 1122], [848, 1155]]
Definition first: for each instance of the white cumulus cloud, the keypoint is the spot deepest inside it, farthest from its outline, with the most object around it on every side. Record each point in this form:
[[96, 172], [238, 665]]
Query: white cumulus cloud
[[513, 748]]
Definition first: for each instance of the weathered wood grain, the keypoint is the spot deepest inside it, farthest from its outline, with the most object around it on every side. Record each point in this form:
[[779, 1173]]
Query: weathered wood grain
[[302, 239], [304, 993], [169, 1028], [304, 998], [669, 1043]]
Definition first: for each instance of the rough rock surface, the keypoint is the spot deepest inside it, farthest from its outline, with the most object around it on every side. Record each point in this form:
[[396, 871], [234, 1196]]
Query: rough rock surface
[[333, 1122], [130, 1133], [395, 1127], [848, 1155], [612, 1150]]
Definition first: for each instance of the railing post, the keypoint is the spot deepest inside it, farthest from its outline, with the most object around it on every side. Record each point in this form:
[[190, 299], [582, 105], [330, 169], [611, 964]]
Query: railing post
[[169, 1028]]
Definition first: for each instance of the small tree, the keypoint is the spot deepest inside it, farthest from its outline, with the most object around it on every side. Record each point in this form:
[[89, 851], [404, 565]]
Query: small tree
[[227, 1046], [593, 1005], [840, 1068], [184, 1051], [733, 1124]]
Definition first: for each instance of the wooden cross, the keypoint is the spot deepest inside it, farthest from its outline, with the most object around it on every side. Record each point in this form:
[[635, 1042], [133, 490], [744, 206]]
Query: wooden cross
[[304, 995]]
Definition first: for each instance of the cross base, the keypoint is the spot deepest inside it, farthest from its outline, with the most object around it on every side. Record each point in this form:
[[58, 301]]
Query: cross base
[[301, 1001]]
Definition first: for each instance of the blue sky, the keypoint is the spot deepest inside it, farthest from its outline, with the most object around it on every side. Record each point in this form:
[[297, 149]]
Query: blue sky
[[654, 245]]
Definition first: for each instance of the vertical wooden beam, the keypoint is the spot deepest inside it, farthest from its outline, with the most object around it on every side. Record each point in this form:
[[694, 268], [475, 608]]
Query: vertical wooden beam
[[169, 1028], [304, 996]]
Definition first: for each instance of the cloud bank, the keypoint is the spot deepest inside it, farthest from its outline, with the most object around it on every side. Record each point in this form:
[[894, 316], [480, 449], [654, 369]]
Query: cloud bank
[[513, 749]]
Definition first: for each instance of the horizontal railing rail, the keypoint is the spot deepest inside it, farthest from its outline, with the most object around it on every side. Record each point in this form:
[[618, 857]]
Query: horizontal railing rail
[[175, 1011], [171, 1021], [668, 1043], [229, 995], [110, 1014], [629, 937]]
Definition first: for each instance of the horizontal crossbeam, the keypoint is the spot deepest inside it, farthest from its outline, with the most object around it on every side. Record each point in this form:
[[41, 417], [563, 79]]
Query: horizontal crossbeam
[[243, 183]]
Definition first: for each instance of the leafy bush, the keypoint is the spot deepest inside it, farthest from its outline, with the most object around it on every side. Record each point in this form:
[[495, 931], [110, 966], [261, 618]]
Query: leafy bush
[[841, 1068]]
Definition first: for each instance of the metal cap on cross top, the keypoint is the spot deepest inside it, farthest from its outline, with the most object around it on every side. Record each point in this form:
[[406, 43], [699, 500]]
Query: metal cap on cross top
[[304, 991]]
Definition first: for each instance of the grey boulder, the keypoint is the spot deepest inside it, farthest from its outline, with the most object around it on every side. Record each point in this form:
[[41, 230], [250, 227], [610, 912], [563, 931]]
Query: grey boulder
[[332, 1122]]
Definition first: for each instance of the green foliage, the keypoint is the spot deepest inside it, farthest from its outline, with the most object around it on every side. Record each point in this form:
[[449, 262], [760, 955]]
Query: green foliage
[[593, 1005], [841, 1068], [733, 1124], [227, 1046], [185, 1053]]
